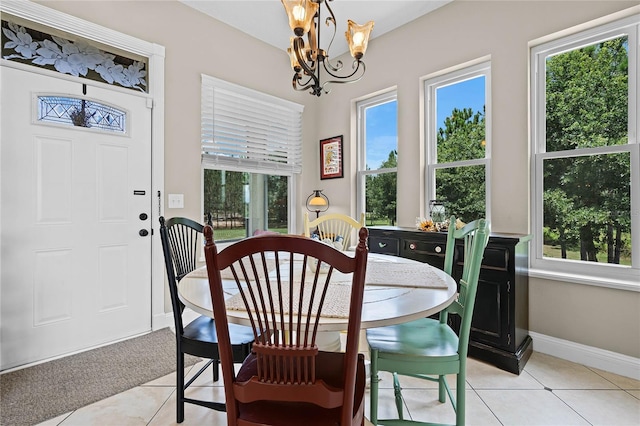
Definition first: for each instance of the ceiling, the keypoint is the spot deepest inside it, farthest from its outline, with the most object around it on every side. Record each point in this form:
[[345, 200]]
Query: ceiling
[[266, 19]]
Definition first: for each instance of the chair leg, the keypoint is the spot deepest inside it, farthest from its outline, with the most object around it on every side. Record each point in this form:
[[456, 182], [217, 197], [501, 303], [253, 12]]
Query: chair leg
[[460, 399], [216, 370], [442, 390], [397, 391], [180, 387], [373, 391]]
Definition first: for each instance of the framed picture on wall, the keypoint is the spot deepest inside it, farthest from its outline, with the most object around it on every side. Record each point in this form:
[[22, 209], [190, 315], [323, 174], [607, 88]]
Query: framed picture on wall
[[331, 158]]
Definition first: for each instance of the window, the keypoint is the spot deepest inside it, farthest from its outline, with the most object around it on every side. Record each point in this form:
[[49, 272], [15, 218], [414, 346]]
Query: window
[[458, 117], [251, 153], [239, 203], [81, 113], [378, 158], [585, 159]]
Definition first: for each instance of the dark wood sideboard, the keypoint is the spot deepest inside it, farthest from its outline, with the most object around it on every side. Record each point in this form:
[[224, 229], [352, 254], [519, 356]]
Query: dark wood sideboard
[[500, 326]]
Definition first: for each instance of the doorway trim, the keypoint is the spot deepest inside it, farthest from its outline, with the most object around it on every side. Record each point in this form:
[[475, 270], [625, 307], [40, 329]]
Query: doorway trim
[[156, 56]]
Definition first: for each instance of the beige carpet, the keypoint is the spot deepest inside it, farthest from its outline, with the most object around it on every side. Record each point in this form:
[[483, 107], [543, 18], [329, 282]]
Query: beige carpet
[[35, 394]]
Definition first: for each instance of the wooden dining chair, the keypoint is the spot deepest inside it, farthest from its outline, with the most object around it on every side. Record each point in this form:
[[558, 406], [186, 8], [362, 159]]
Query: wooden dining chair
[[429, 348], [180, 242], [465, 234], [336, 227], [287, 380]]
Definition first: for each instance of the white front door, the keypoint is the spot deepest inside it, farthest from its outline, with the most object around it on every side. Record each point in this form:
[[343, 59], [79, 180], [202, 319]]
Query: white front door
[[76, 201]]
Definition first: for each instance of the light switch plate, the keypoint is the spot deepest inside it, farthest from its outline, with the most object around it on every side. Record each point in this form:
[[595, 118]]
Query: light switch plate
[[176, 201]]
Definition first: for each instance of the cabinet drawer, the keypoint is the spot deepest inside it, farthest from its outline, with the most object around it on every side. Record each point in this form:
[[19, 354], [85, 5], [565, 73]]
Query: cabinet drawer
[[430, 248], [431, 252], [496, 258], [384, 245]]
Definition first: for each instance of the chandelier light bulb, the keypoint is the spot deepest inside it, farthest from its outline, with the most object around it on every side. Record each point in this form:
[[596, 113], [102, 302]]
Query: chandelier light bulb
[[358, 38], [298, 13]]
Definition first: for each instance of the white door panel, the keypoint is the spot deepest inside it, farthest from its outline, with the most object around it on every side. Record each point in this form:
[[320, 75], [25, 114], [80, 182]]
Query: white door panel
[[75, 271]]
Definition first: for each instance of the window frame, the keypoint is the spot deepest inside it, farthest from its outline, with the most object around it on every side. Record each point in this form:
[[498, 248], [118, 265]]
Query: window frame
[[593, 273], [361, 136], [430, 85]]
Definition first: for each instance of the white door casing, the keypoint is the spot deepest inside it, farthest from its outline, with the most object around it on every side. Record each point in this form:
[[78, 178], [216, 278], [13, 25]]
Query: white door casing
[[155, 53]]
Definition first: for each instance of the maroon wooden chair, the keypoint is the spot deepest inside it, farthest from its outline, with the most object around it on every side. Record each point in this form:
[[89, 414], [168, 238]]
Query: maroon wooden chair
[[287, 380]]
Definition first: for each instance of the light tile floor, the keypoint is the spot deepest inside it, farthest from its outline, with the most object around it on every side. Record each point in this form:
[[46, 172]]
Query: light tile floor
[[550, 391]]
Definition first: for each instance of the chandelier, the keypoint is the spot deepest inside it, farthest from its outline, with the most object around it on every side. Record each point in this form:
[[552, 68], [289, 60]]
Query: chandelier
[[308, 58]]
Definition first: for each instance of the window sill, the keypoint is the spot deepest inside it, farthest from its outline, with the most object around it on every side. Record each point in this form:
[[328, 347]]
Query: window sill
[[618, 284]]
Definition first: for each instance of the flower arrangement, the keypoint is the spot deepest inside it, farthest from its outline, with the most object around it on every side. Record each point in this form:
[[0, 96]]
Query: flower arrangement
[[427, 225], [431, 226]]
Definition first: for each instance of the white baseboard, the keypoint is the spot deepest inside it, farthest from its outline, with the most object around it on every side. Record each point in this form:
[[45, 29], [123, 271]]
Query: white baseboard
[[160, 321], [590, 356], [166, 319]]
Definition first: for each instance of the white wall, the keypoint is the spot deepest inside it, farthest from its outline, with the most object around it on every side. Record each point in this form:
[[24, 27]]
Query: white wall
[[454, 34]]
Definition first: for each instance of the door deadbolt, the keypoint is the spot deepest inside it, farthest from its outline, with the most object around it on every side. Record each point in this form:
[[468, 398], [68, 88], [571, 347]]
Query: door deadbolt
[[143, 216]]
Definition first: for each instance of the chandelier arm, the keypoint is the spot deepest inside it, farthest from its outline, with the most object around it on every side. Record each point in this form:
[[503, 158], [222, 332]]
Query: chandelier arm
[[326, 91], [333, 68], [302, 86], [314, 38], [298, 48], [356, 67], [331, 19]]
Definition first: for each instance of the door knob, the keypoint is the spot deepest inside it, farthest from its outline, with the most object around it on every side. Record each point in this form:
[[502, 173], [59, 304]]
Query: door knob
[[143, 232]]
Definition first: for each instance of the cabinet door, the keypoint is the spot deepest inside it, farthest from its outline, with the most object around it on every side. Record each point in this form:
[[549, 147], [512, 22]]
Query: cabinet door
[[491, 315], [490, 324]]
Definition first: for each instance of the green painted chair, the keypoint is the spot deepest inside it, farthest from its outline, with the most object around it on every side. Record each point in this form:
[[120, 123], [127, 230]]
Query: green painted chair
[[429, 348]]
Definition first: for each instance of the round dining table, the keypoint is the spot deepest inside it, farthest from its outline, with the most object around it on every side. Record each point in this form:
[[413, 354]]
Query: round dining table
[[397, 290]]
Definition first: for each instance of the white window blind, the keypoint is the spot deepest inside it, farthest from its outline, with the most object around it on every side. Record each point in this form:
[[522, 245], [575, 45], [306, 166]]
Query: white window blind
[[243, 129]]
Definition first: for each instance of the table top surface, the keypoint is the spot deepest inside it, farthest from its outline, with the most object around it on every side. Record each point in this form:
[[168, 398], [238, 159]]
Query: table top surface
[[383, 304]]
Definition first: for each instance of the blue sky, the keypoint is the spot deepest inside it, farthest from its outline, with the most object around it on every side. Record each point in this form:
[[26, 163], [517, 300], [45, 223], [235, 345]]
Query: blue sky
[[382, 133], [464, 94]]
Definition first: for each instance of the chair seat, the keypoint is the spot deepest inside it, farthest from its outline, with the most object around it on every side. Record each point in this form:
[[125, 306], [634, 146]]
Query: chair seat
[[270, 412], [425, 338], [200, 333]]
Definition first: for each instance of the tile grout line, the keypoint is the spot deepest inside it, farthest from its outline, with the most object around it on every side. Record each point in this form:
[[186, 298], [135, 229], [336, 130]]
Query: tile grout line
[[174, 390]]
